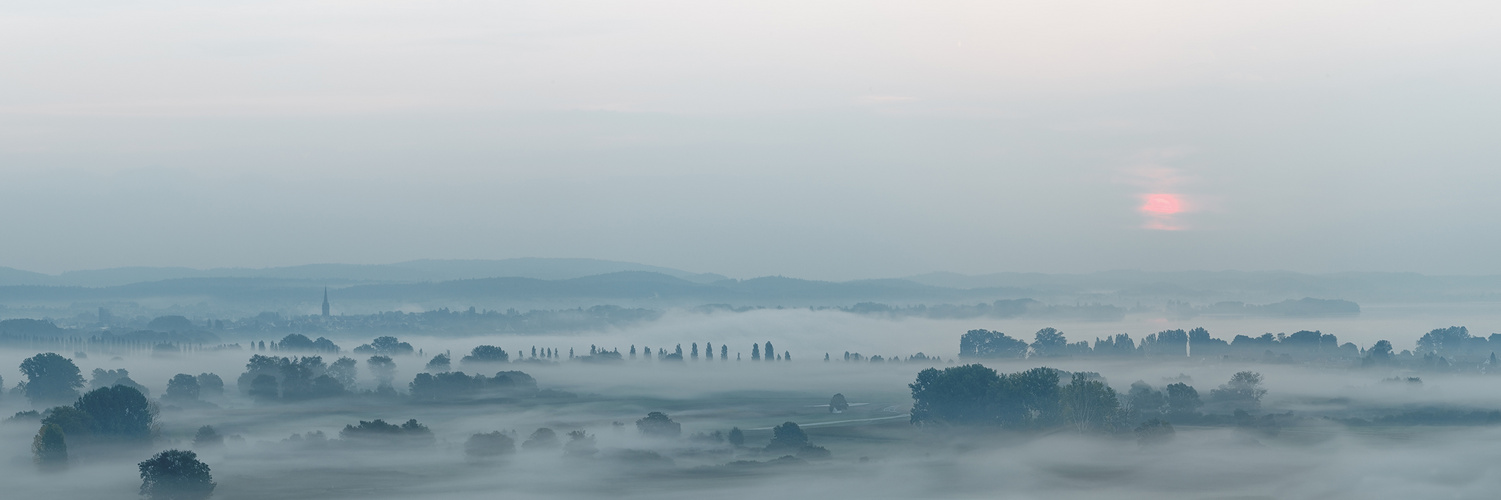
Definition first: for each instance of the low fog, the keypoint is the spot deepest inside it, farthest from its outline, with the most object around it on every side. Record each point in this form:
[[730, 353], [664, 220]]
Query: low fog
[[1316, 432]]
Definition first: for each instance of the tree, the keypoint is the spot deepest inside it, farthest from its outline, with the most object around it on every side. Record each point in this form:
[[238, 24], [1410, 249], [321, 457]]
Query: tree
[[1444, 341], [383, 368], [974, 394], [724, 352], [837, 404], [176, 475], [118, 412], [295, 342], [489, 445], [210, 385], [956, 395], [1154, 432], [486, 354], [580, 444], [49, 447], [207, 437], [1182, 400], [986, 344], [658, 424], [1145, 402], [1379, 354], [385, 346], [755, 352], [737, 437], [182, 387], [378, 432], [344, 370], [439, 364], [541, 439], [70, 421], [265, 388], [1050, 343], [770, 352], [1090, 405], [51, 378], [1242, 392], [787, 437]]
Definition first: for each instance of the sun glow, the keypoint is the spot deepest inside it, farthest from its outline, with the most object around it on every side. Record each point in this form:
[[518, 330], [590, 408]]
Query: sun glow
[[1160, 209]]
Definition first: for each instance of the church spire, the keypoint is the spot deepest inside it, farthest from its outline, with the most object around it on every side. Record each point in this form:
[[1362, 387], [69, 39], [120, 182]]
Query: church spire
[[325, 302]]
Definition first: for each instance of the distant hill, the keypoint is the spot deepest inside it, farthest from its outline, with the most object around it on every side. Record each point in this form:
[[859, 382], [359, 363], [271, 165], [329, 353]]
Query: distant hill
[[1206, 286], [13, 276], [403, 272]]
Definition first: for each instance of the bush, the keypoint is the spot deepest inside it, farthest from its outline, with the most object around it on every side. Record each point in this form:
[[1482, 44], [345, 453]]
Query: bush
[[489, 445], [658, 424]]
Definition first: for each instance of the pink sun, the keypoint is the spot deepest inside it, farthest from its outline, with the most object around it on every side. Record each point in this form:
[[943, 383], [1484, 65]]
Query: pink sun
[[1162, 204]]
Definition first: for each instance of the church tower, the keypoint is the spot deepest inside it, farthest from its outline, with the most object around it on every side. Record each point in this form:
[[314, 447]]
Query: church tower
[[325, 302]]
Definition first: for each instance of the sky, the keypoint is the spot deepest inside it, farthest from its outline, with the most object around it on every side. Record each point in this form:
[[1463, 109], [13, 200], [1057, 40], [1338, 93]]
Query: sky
[[824, 140]]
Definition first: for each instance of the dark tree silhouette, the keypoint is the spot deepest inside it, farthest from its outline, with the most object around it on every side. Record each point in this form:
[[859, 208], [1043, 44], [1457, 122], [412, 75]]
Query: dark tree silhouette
[[580, 444], [1049, 342], [51, 378], [985, 344], [486, 354], [344, 370], [737, 437], [541, 439], [489, 445], [176, 475], [383, 368], [755, 352], [182, 387], [770, 352], [265, 388], [207, 437], [1144, 402], [385, 346], [49, 447], [974, 394], [439, 364], [71, 421], [1242, 392], [838, 404], [119, 412], [1154, 432], [658, 424], [724, 352], [210, 385], [379, 432], [1182, 400], [1091, 405], [787, 437]]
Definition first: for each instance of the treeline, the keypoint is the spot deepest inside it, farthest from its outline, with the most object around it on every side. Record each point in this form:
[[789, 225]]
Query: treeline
[[1450, 348], [1048, 398], [1013, 308]]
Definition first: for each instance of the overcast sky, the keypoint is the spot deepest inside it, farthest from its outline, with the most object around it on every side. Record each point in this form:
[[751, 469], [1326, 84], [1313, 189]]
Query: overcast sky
[[829, 140]]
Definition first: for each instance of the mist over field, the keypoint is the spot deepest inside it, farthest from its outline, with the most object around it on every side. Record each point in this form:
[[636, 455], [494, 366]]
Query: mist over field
[[1316, 444], [446, 249]]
